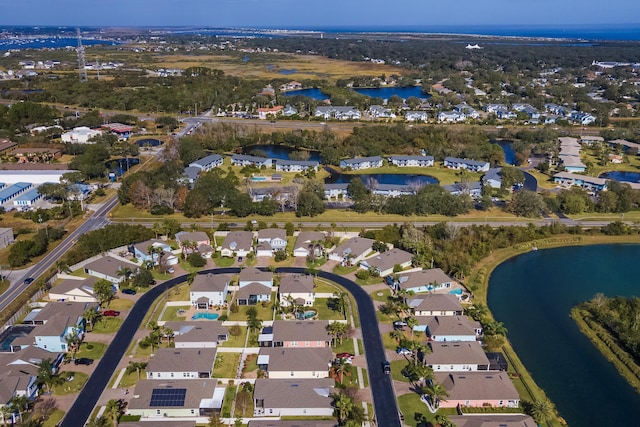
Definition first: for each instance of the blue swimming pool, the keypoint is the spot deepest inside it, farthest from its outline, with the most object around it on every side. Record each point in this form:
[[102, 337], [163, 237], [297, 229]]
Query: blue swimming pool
[[258, 178], [456, 291], [208, 316]]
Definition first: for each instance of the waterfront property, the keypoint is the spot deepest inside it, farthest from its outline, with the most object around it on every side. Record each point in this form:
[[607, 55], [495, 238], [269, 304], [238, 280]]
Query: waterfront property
[[337, 113], [468, 164], [490, 420], [339, 191], [411, 161], [456, 357], [295, 165], [589, 183], [183, 363], [449, 328], [473, 189], [207, 163], [244, 160], [424, 281], [435, 305], [570, 155], [362, 163]]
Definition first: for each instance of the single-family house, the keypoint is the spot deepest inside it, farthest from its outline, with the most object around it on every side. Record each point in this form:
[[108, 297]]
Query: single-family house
[[237, 243], [361, 163], [451, 117], [194, 241], [468, 164], [181, 363], [289, 111], [207, 163], [269, 112], [478, 389], [352, 251], [296, 289], [309, 243], [290, 362], [19, 373], [456, 356], [435, 305], [387, 262], [275, 237], [494, 108], [176, 398], [299, 333], [75, 290], [411, 161], [296, 165], [449, 328], [255, 286], [209, 290], [380, 112], [292, 85], [581, 118], [152, 251], [110, 268], [489, 420], [424, 281], [293, 397], [194, 334], [467, 110], [244, 160], [416, 116], [338, 113]]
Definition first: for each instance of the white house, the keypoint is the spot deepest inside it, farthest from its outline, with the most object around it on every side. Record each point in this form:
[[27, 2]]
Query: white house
[[276, 237], [416, 116], [352, 251], [174, 398], [255, 286], [209, 290], [293, 397], [451, 117], [197, 334], [296, 289], [362, 163], [207, 163], [298, 363], [472, 165], [411, 161], [238, 243], [181, 363], [385, 263], [424, 281], [76, 290], [110, 268], [449, 328], [295, 165], [456, 357], [244, 160], [435, 305]]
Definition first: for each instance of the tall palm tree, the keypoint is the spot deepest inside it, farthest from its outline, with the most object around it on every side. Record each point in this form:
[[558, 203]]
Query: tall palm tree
[[91, 316], [73, 341], [412, 322], [436, 392], [113, 410], [137, 367], [542, 410], [20, 403], [341, 303], [340, 366], [343, 405], [495, 328], [397, 335], [47, 376]]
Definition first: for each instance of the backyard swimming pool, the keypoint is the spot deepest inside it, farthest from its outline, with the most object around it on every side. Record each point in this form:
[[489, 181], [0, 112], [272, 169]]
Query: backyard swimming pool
[[208, 316]]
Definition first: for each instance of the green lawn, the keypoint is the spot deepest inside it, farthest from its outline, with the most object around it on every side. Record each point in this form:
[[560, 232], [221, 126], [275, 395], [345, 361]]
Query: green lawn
[[179, 293], [107, 325], [340, 270], [389, 342], [70, 387], [264, 312], [323, 286], [121, 304], [369, 281], [227, 402], [54, 419], [129, 380], [250, 364], [324, 312], [171, 313], [223, 261], [382, 296], [413, 409], [396, 370], [345, 347], [226, 365], [237, 341], [92, 350], [188, 267], [317, 263]]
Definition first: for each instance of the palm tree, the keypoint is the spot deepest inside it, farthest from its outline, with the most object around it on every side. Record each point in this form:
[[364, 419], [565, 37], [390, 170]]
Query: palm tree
[[436, 392], [73, 341], [477, 311], [91, 316], [113, 410], [254, 324], [340, 366], [137, 367], [62, 267], [412, 322], [341, 303], [7, 412], [20, 403], [157, 228], [47, 376], [343, 405], [495, 328], [542, 410], [397, 335]]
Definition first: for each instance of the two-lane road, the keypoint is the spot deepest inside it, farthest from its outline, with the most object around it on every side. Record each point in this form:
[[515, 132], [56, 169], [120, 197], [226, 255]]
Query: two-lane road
[[386, 410]]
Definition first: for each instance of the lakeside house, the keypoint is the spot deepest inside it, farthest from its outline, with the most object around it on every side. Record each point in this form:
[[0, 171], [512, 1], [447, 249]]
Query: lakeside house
[[449, 328], [244, 160], [338, 191], [435, 305], [489, 420], [295, 165], [411, 161], [589, 183], [456, 357], [424, 281], [468, 164], [362, 163], [478, 389]]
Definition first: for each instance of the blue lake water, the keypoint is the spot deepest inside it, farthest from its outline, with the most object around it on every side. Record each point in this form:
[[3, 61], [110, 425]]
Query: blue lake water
[[383, 92], [621, 176], [509, 153], [382, 178], [279, 151], [532, 295], [47, 42]]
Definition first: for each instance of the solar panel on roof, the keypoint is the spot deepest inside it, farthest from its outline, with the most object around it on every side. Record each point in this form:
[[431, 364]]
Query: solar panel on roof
[[161, 397]]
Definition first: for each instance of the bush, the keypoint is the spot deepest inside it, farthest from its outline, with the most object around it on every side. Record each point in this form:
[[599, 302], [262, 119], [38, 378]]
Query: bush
[[233, 307], [290, 228], [223, 226], [223, 318], [160, 210], [280, 255], [196, 260], [235, 330], [363, 274]]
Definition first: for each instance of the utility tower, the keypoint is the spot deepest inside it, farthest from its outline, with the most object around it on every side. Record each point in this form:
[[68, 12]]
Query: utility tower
[[82, 69]]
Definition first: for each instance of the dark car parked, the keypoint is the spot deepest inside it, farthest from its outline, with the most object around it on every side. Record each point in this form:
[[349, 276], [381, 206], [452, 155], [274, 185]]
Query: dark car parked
[[386, 367], [83, 361], [129, 291]]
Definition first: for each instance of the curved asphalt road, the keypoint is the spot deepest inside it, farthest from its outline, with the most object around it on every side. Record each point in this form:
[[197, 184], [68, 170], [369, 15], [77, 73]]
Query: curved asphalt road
[[386, 410]]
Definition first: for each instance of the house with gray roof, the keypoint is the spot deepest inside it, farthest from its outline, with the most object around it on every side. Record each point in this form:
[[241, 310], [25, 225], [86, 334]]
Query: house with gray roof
[[493, 178], [250, 275], [430, 280], [253, 293], [76, 290], [449, 328], [296, 289], [393, 190], [451, 116], [194, 241], [19, 372], [176, 398], [276, 238], [352, 251], [307, 243], [385, 263], [244, 160], [473, 189], [298, 333], [380, 112], [194, 334], [416, 116], [361, 163], [237, 243], [141, 251], [338, 113], [293, 397], [207, 163], [294, 423], [411, 161], [478, 389], [338, 191], [296, 165], [181, 363], [435, 305], [468, 164], [110, 268], [209, 290], [456, 356], [291, 362]]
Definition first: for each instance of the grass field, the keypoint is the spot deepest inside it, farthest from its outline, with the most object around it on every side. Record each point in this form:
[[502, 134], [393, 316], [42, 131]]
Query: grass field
[[129, 380], [226, 365], [107, 325], [92, 350], [54, 419], [171, 313], [236, 341], [70, 387], [324, 312]]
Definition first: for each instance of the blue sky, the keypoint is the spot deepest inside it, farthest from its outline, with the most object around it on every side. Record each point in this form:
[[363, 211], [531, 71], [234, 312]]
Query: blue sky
[[325, 13]]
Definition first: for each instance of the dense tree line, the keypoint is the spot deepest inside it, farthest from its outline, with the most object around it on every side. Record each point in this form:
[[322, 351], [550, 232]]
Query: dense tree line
[[619, 315], [23, 251], [104, 239]]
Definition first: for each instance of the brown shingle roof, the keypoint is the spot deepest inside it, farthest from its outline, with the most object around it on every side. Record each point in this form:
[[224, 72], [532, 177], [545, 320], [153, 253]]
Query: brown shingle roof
[[423, 278], [296, 283], [109, 266], [478, 385], [456, 353], [252, 274], [238, 240], [302, 393], [286, 330], [182, 360], [297, 359], [209, 283]]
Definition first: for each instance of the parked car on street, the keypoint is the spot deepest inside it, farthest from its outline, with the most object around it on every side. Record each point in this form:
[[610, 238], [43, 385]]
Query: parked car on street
[[404, 351], [386, 367]]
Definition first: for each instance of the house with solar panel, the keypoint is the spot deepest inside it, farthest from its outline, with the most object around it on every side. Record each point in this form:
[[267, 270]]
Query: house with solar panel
[[176, 398]]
